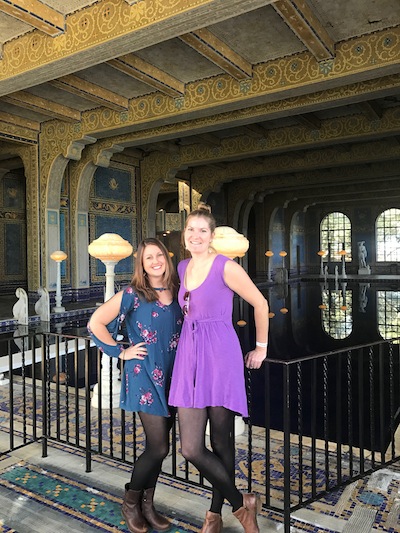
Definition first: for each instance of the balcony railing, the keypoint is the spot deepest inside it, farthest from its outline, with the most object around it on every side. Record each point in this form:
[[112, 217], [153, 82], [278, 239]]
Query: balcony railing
[[325, 420]]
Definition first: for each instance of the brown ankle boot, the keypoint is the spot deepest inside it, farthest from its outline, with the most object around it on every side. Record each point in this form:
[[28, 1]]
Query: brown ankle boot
[[247, 515], [155, 519], [212, 523], [132, 512]]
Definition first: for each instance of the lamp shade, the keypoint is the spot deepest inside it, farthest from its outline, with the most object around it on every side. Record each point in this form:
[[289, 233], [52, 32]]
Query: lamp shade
[[58, 255], [110, 247], [229, 242]]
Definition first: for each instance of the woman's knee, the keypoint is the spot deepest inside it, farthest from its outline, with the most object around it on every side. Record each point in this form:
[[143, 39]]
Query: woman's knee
[[190, 451]]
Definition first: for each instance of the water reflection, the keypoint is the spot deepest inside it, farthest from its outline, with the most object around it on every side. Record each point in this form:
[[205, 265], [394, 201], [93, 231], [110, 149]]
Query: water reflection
[[388, 304], [326, 316], [338, 389], [337, 311]]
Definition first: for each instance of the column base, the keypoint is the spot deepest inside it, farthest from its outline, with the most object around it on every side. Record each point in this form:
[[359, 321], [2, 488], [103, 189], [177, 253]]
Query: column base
[[105, 398]]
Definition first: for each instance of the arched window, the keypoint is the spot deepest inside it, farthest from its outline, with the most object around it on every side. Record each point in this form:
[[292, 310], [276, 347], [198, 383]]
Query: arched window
[[388, 235], [388, 305], [337, 312], [335, 235]]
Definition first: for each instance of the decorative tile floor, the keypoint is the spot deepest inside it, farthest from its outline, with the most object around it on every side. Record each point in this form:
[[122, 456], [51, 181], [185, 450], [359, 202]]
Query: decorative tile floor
[[67, 499], [368, 505]]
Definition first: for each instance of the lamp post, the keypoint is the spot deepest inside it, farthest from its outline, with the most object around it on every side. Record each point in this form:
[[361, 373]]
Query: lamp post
[[269, 254], [322, 254], [58, 256], [283, 254], [229, 242], [110, 248], [343, 254]]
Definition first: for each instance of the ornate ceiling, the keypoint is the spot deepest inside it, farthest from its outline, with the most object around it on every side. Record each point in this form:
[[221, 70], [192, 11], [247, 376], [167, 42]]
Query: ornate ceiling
[[276, 92]]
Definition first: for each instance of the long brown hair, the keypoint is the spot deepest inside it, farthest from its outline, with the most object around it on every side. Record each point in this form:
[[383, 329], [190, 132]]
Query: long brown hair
[[140, 281]]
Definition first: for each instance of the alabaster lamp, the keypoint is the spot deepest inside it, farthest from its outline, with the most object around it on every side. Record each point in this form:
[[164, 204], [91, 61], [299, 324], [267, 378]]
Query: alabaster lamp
[[110, 248], [58, 256], [229, 242], [283, 254], [321, 254], [269, 254], [343, 254]]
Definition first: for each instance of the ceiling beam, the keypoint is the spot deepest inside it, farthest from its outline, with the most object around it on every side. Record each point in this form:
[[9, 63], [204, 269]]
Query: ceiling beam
[[19, 121], [134, 152], [255, 130], [218, 166], [86, 89], [372, 110], [215, 50], [166, 147], [208, 138], [139, 69], [41, 105], [301, 19], [36, 14], [309, 120]]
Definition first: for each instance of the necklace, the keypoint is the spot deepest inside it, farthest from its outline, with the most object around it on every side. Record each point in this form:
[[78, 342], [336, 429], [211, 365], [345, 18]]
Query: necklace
[[161, 289]]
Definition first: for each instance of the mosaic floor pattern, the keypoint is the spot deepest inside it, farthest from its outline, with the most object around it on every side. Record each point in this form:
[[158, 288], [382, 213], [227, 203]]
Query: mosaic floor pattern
[[73, 498], [368, 505]]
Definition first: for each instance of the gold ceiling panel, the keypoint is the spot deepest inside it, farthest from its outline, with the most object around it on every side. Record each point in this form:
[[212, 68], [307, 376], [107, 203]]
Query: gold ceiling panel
[[36, 14]]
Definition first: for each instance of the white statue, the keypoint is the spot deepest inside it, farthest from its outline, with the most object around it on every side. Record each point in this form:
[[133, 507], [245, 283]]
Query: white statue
[[20, 309], [362, 255], [42, 306], [362, 297], [21, 338]]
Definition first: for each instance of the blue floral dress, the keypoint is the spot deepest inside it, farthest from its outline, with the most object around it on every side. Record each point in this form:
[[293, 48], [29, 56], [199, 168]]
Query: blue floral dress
[[145, 383]]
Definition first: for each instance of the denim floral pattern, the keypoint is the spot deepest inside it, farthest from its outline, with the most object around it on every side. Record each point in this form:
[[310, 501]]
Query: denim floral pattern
[[146, 381], [158, 376], [146, 397]]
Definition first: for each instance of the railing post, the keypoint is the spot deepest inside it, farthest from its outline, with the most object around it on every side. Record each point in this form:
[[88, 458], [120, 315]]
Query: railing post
[[88, 432], [44, 396], [286, 448]]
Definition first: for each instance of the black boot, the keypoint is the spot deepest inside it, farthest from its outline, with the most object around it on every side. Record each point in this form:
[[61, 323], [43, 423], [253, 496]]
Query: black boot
[[155, 519], [132, 511]]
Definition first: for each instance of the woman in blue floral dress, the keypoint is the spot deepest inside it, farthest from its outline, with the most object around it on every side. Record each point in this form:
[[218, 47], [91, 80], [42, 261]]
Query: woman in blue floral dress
[[153, 322]]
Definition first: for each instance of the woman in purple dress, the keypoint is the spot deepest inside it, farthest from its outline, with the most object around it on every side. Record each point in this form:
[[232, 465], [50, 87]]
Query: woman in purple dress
[[153, 322], [208, 381]]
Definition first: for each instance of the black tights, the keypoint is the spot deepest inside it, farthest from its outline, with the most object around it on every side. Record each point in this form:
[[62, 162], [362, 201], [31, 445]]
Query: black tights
[[148, 466], [218, 466]]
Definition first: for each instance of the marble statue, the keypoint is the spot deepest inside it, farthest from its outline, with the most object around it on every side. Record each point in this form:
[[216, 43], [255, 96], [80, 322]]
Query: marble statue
[[42, 306], [362, 255], [20, 308], [362, 297]]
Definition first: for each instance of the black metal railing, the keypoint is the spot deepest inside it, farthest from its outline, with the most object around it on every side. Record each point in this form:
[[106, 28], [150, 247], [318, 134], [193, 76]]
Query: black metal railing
[[327, 419]]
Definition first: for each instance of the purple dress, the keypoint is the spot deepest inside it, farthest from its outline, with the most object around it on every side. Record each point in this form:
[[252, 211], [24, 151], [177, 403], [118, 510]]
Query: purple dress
[[209, 366]]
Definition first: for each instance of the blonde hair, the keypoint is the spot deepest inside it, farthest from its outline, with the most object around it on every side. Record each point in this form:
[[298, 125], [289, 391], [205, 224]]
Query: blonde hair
[[203, 210]]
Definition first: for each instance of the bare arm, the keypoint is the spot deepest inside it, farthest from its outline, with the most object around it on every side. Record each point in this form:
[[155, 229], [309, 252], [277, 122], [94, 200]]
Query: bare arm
[[239, 281], [98, 326]]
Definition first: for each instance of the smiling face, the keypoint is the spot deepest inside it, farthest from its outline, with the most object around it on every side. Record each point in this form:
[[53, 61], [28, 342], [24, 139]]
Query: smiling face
[[198, 235], [154, 263]]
